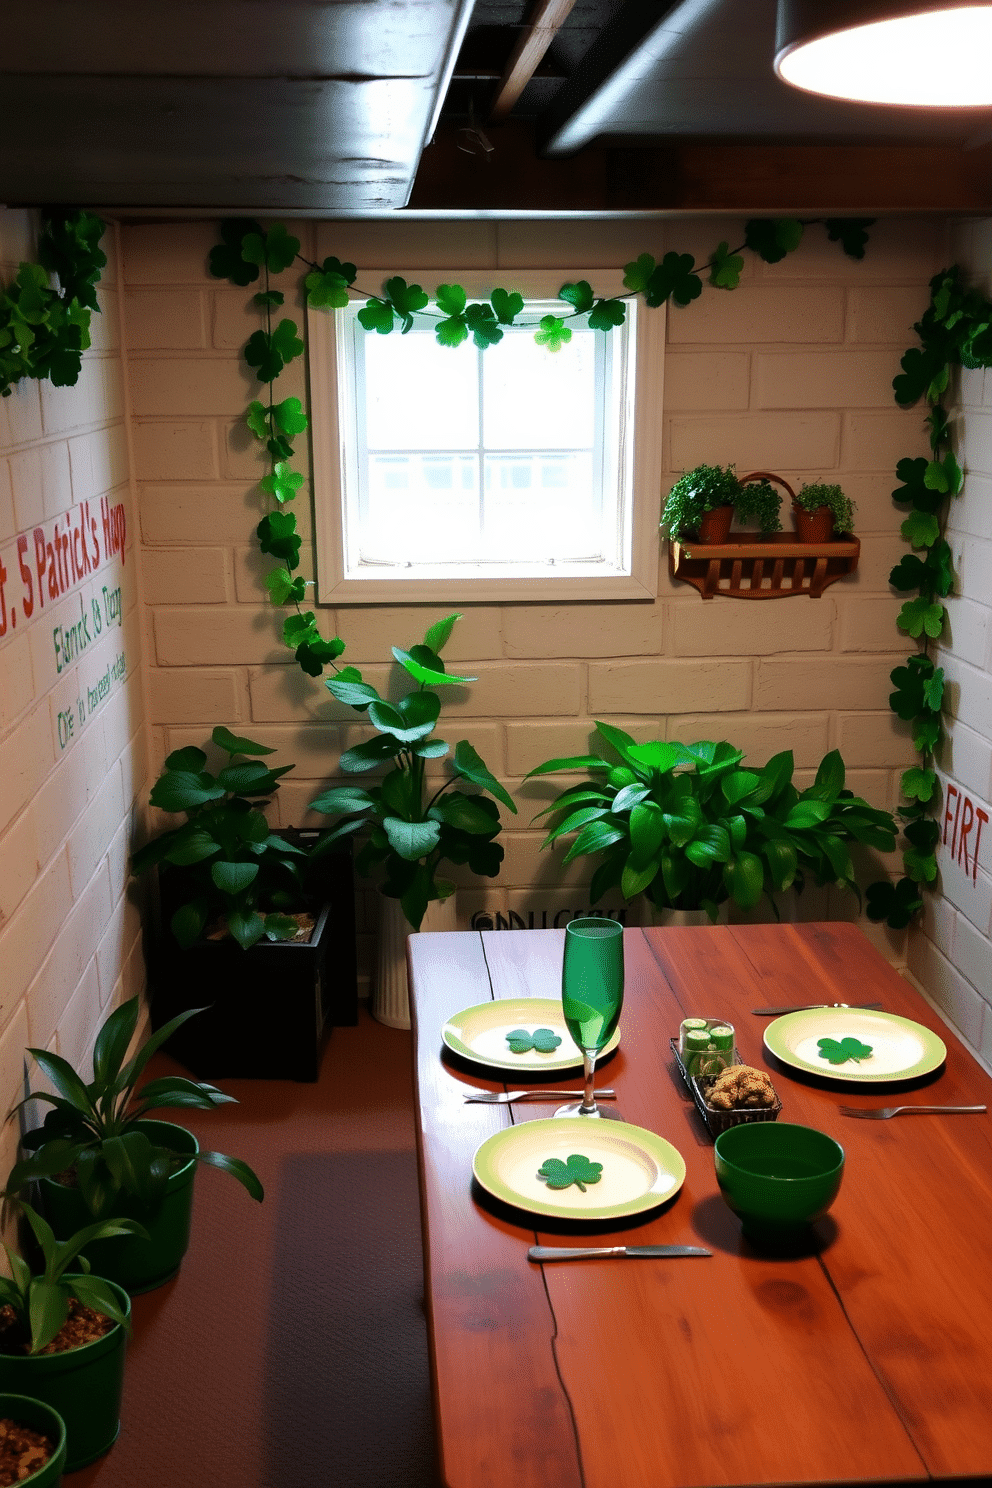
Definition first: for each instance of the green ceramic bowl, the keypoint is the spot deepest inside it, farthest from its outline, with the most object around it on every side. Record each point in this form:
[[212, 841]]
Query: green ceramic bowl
[[778, 1177]]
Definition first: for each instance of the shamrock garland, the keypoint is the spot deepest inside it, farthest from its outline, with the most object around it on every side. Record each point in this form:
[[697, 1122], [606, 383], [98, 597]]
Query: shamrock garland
[[543, 1040], [44, 329], [247, 252], [577, 1169], [955, 331]]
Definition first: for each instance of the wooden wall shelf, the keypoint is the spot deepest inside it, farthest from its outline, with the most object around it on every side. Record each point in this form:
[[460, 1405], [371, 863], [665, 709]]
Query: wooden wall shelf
[[777, 567]]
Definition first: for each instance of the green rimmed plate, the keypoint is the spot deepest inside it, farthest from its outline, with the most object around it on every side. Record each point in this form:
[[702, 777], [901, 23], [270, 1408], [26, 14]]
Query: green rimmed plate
[[479, 1033], [900, 1048], [640, 1169]]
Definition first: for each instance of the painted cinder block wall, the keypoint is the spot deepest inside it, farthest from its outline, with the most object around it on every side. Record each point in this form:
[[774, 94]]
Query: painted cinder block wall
[[951, 952], [791, 373], [73, 749]]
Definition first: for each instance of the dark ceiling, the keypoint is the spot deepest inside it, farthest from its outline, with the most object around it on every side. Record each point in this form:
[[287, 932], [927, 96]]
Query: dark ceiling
[[360, 107]]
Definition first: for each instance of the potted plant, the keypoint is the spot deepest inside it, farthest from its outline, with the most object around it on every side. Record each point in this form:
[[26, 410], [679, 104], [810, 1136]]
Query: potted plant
[[822, 512], [703, 501], [229, 885], [62, 1335], [97, 1156], [34, 1439], [416, 823], [690, 827]]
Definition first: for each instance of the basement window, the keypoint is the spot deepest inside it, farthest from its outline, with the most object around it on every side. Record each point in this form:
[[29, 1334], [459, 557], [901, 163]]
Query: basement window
[[509, 473]]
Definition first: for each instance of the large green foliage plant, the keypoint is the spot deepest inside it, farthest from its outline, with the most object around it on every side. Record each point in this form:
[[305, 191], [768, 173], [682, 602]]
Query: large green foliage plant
[[231, 870], [690, 827], [416, 822]]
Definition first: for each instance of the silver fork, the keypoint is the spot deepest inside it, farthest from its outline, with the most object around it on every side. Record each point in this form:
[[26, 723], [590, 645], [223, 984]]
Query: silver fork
[[503, 1097], [882, 1113]]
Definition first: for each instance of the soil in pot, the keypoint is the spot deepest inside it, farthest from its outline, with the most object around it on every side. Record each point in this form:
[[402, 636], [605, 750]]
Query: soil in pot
[[23, 1451], [83, 1325], [83, 1383]]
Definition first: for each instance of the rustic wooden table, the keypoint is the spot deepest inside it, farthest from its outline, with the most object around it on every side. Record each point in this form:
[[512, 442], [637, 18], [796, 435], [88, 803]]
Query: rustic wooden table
[[868, 1360]]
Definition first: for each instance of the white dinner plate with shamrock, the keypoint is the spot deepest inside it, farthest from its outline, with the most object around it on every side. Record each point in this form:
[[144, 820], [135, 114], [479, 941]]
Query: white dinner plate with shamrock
[[520, 1033], [574, 1167], [855, 1044]]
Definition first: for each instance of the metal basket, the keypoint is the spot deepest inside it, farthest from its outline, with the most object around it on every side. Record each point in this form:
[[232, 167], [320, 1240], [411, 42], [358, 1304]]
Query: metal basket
[[718, 1121]]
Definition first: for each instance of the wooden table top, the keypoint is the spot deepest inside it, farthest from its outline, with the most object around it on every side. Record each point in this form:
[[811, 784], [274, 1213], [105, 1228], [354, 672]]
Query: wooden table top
[[867, 1360]]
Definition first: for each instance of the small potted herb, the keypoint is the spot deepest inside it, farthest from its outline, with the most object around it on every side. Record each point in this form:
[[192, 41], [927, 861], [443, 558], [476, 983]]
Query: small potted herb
[[97, 1156], [62, 1334], [703, 501], [822, 512]]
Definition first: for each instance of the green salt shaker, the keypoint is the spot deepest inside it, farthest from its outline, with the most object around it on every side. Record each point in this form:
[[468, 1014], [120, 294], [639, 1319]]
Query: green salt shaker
[[690, 1025], [722, 1044], [697, 1042]]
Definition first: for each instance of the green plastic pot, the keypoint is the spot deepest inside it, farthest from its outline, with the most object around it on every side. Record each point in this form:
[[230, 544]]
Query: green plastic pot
[[27, 1411], [137, 1265], [83, 1385]]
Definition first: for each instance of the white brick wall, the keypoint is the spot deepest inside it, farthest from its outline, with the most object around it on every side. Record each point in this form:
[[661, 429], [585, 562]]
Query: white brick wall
[[790, 373], [69, 935], [951, 953]]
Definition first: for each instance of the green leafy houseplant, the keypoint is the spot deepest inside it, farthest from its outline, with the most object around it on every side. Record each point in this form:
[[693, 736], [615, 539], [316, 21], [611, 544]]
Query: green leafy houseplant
[[415, 827], [40, 1303], [810, 498], [94, 1129], [688, 826], [708, 487], [233, 872]]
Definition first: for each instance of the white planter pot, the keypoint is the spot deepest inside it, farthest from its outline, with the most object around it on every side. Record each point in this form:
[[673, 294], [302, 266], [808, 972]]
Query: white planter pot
[[670, 917], [390, 1002]]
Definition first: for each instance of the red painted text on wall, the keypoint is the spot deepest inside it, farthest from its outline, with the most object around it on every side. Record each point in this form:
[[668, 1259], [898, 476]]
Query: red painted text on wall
[[962, 817]]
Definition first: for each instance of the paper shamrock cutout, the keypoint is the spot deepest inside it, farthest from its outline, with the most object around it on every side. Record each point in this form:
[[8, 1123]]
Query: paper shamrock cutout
[[840, 1053], [544, 1040], [578, 1170]]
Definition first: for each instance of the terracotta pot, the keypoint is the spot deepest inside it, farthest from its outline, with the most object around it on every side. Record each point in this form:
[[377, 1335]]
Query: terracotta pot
[[714, 526], [815, 526]]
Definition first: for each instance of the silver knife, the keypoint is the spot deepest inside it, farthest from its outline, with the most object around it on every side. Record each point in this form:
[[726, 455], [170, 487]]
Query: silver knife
[[566, 1253], [803, 1007]]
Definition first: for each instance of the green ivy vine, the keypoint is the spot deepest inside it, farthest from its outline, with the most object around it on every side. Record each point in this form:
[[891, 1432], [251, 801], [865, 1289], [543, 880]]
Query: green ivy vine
[[955, 331], [248, 253], [45, 326]]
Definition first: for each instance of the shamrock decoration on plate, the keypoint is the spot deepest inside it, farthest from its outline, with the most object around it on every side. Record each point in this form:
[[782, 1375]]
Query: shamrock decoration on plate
[[578, 1170], [544, 1040], [840, 1053]]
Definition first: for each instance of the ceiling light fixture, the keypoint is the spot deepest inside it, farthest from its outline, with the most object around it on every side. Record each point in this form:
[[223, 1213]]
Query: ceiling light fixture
[[931, 53]]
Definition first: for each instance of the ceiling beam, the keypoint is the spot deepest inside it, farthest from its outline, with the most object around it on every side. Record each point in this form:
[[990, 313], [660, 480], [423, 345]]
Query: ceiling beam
[[545, 21], [701, 176], [630, 47]]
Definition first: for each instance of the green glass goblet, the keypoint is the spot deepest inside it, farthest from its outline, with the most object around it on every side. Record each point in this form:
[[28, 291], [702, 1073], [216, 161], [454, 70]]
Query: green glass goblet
[[591, 996]]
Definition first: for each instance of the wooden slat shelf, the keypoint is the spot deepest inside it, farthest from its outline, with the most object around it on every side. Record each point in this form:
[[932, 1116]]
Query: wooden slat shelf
[[775, 568]]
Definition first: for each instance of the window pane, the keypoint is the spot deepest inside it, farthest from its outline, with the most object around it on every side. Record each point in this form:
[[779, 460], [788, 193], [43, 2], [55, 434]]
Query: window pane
[[420, 508], [540, 507], [419, 395], [536, 399]]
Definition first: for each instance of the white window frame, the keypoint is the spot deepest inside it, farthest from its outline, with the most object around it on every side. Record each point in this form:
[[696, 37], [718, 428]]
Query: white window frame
[[329, 372]]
